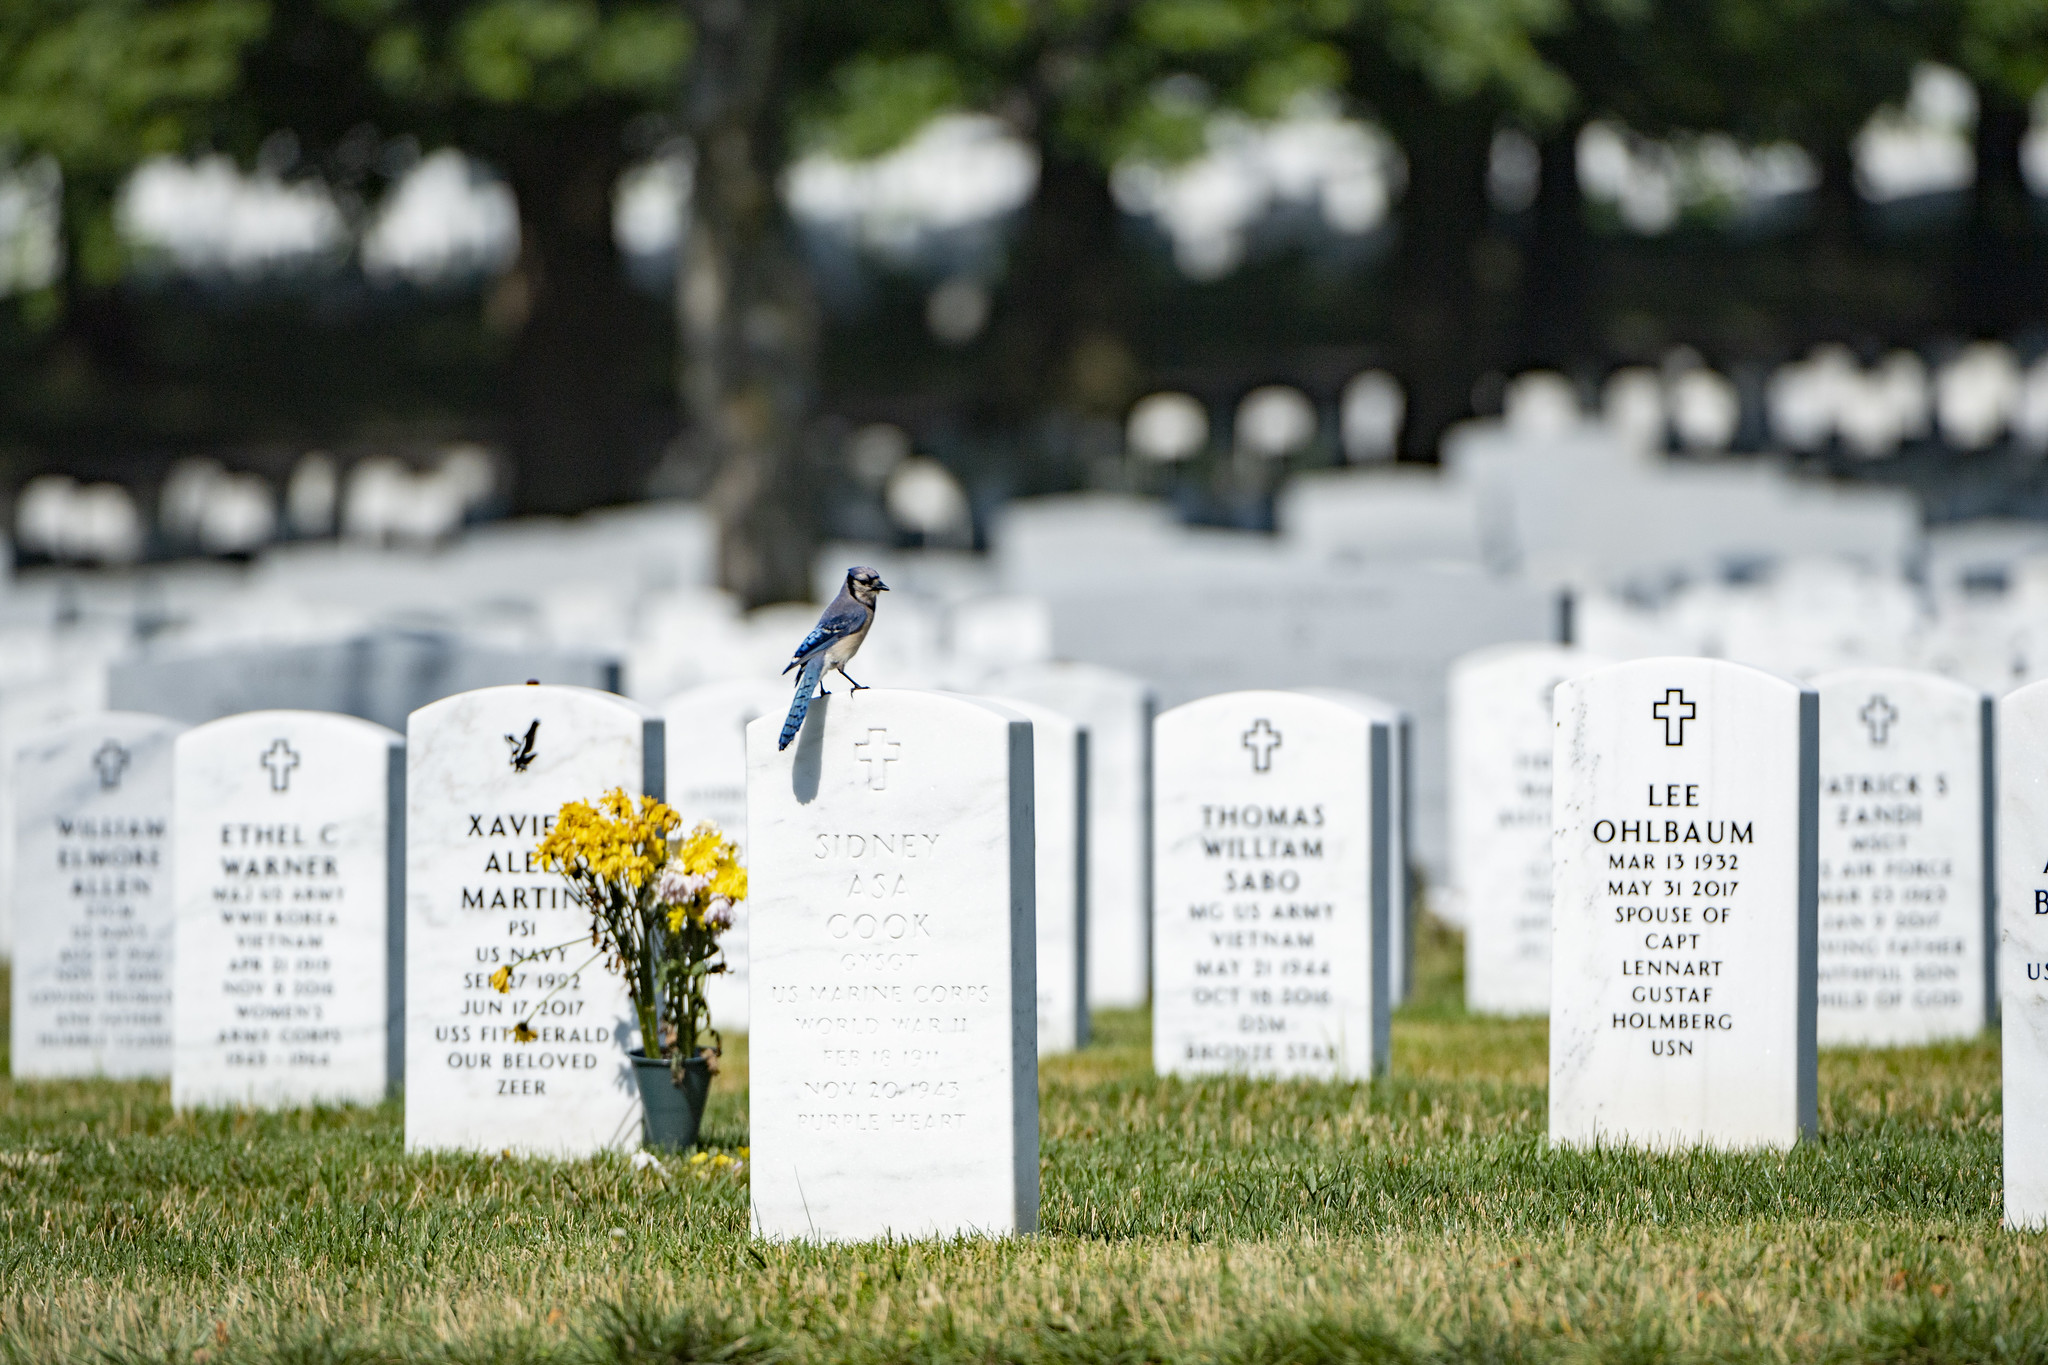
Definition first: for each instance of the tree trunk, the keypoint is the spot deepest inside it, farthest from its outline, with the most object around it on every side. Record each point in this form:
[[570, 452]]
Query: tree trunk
[[1557, 276], [747, 316], [1836, 224], [1064, 287], [582, 332], [1444, 219], [92, 375], [1997, 289]]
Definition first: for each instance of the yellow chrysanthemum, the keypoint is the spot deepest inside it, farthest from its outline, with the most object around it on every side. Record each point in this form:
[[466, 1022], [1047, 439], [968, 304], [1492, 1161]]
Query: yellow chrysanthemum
[[501, 980], [700, 852], [616, 844], [731, 883]]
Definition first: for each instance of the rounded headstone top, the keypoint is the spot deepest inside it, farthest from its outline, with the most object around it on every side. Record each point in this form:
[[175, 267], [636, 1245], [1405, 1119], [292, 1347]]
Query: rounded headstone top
[[521, 694], [1271, 699], [271, 719], [1882, 675], [1693, 665]]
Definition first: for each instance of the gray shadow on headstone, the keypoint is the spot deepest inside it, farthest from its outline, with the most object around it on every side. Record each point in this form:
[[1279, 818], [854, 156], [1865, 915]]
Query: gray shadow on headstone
[[383, 675], [808, 770]]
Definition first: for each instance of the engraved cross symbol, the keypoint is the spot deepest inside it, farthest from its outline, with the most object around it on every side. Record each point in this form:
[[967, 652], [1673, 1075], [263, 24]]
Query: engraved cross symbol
[[280, 759], [1674, 711], [881, 753], [1878, 713], [112, 761], [1262, 739]]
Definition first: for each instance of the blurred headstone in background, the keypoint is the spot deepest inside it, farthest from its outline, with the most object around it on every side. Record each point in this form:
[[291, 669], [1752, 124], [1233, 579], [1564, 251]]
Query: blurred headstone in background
[[1369, 417], [1166, 427], [1632, 405], [313, 495], [1540, 403], [93, 963], [1275, 420], [1976, 395], [61, 519], [383, 676], [926, 499]]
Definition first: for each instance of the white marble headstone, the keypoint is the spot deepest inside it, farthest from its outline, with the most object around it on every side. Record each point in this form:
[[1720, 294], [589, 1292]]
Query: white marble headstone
[[2023, 949], [92, 894], [1059, 765], [1117, 710], [894, 1082], [707, 780], [1501, 733], [1397, 864], [29, 707], [1269, 938], [486, 774], [1904, 858], [1684, 849], [290, 873]]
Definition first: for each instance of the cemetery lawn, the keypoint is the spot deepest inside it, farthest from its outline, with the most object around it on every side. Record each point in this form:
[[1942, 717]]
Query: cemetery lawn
[[1418, 1219]]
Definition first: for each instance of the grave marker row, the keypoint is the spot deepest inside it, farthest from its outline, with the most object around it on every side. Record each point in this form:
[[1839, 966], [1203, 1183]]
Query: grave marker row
[[898, 993], [1904, 940], [896, 861]]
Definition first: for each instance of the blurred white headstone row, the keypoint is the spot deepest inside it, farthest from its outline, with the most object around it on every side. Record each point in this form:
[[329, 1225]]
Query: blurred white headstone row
[[1273, 422], [1974, 398], [203, 506], [1969, 398], [1379, 579]]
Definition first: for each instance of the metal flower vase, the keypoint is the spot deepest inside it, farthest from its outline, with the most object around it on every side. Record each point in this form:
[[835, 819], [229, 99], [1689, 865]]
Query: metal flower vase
[[671, 1112]]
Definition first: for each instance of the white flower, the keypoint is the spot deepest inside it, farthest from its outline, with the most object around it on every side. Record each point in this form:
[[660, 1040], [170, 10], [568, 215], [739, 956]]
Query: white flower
[[677, 887], [718, 915]]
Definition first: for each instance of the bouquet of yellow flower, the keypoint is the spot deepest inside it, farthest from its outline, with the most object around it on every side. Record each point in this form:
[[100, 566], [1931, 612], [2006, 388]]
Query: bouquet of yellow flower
[[697, 892], [658, 905]]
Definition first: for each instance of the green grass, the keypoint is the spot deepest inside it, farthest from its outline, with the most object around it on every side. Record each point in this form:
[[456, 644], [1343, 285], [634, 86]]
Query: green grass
[[1418, 1219]]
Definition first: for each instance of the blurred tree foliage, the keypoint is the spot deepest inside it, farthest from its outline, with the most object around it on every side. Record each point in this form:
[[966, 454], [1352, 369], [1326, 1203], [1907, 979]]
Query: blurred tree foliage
[[1443, 77], [2003, 46], [1087, 83], [102, 84], [97, 86], [546, 91], [562, 95], [746, 316]]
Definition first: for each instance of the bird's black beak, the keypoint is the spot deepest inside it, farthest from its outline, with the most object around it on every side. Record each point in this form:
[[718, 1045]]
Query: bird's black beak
[[881, 586]]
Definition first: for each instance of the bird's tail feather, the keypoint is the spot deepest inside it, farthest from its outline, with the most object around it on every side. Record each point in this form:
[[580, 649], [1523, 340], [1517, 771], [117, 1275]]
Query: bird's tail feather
[[806, 684]]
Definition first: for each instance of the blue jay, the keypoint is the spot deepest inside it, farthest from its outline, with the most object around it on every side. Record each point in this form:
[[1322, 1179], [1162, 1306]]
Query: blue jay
[[835, 639]]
